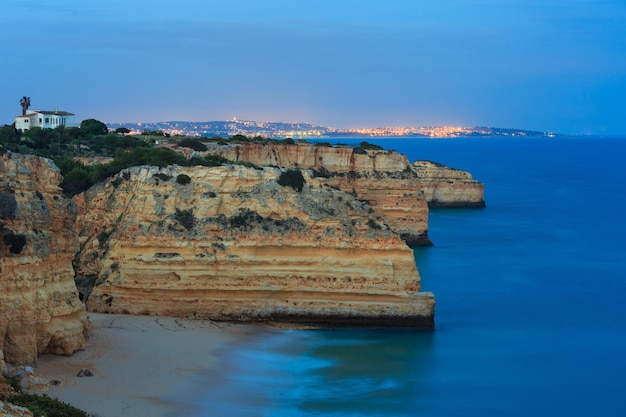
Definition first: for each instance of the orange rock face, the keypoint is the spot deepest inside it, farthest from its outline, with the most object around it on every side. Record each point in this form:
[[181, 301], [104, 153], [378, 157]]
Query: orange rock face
[[400, 192], [340, 159], [234, 244], [396, 200], [40, 311], [448, 187]]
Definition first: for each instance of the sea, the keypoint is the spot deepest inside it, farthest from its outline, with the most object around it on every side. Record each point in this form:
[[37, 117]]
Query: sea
[[531, 303]]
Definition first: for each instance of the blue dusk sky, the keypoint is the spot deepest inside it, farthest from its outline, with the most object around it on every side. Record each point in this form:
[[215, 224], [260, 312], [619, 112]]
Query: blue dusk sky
[[549, 65]]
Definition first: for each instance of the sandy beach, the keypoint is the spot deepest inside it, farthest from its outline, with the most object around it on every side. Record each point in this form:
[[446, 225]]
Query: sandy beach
[[142, 365]]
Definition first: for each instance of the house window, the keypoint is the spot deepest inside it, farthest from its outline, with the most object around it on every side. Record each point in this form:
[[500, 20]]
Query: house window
[[47, 120], [40, 120]]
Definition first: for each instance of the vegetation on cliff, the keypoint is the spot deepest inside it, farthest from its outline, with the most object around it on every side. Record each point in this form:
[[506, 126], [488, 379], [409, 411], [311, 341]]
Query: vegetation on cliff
[[67, 141], [77, 177], [194, 144], [45, 406], [8, 204], [39, 405], [292, 178], [65, 144], [14, 242]]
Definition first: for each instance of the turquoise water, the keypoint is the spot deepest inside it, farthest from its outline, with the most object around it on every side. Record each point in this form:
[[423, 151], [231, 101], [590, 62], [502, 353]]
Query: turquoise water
[[530, 317]]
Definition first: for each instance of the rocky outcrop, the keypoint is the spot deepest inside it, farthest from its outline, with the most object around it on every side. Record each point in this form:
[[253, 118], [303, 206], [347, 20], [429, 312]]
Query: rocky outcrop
[[231, 243], [40, 311], [339, 159], [448, 187], [400, 192], [11, 410], [394, 198]]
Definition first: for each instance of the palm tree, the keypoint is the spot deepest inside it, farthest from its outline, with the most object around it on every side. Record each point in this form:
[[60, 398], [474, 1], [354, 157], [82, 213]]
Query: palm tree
[[25, 103]]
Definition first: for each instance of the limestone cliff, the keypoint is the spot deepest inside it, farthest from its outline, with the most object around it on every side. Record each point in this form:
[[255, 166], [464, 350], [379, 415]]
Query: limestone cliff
[[39, 306], [400, 192], [448, 187], [234, 244], [341, 159]]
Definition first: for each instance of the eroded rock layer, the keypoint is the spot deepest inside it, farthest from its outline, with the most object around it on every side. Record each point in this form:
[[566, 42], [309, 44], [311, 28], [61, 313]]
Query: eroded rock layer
[[399, 191], [448, 187], [40, 310], [234, 244]]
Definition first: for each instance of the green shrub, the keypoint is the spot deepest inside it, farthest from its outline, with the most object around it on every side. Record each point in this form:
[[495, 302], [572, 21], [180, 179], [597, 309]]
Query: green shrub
[[94, 127], [247, 164], [15, 242], [77, 180], [219, 246], [14, 381], [244, 219], [353, 175], [103, 237], [322, 172], [373, 225], [196, 145], [240, 138], [44, 406], [185, 218], [8, 204], [162, 176], [117, 182], [9, 134], [371, 146], [292, 178], [77, 177], [194, 161], [183, 179], [215, 160]]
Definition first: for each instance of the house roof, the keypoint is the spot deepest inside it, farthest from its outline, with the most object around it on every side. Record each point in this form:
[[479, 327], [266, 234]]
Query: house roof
[[55, 112], [32, 113]]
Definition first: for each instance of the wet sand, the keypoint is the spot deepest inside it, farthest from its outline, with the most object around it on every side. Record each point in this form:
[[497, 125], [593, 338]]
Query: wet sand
[[142, 365]]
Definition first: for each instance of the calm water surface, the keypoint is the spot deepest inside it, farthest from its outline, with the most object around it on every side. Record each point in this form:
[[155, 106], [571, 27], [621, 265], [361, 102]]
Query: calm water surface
[[530, 316]]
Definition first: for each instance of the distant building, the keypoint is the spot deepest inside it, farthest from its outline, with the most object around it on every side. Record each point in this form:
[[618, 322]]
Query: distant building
[[43, 118]]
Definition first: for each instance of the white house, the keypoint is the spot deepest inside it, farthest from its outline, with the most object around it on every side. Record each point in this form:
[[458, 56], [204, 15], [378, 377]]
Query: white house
[[43, 118]]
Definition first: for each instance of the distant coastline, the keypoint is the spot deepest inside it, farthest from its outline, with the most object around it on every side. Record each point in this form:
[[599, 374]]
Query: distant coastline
[[297, 130]]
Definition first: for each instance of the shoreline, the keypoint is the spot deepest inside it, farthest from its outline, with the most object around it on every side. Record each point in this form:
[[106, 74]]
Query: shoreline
[[142, 365]]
